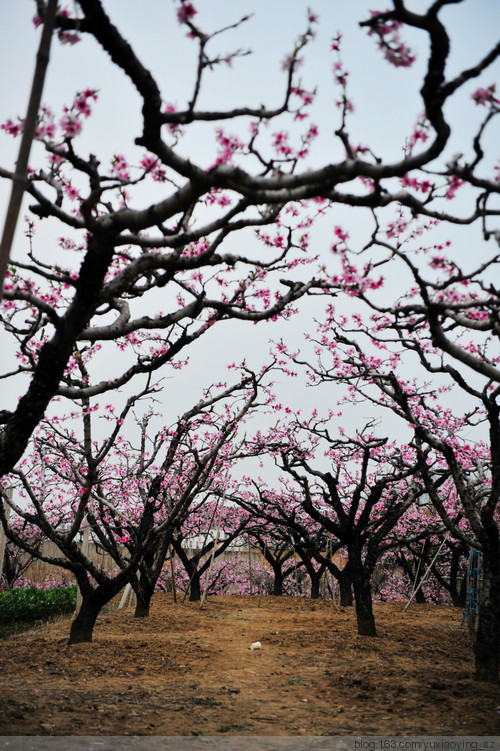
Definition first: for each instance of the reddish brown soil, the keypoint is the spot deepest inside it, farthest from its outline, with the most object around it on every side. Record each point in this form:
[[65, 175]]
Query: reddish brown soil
[[183, 671]]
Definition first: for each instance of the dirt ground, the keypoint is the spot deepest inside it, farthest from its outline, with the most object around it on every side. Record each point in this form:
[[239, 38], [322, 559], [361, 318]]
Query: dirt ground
[[186, 671]]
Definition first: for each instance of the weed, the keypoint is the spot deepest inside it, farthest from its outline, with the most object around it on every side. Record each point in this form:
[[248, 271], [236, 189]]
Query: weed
[[202, 701], [295, 682], [231, 726]]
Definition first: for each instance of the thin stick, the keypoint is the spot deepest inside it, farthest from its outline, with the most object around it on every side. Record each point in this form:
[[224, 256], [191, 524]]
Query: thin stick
[[427, 572], [261, 577], [19, 179], [216, 543]]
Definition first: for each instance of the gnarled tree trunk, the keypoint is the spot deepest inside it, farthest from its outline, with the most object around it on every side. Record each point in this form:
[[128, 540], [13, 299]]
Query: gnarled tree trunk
[[487, 644]]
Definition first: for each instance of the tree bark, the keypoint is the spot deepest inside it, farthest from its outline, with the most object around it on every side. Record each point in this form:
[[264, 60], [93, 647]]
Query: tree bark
[[412, 577], [83, 624], [93, 600], [487, 644], [364, 607], [142, 608], [278, 583], [315, 587], [195, 588], [361, 575], [144, 591], [345, 586]]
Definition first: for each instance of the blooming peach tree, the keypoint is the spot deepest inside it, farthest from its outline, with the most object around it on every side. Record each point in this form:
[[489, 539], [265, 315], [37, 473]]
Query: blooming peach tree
[[443, 329], [124, 272], [130, 497]]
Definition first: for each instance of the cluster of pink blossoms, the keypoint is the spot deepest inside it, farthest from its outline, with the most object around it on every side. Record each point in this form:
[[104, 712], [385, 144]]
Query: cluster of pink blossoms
[[454, 183], [389, 41], [186, 12], [173, 128], [228, 146], [70, 122], [65, 37], [486, 97]]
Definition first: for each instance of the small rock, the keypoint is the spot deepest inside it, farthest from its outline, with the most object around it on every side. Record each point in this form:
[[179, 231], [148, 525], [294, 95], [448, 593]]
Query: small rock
[[46, 727]]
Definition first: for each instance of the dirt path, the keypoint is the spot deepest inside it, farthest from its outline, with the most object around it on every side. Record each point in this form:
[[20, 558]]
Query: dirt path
[[184, 671]]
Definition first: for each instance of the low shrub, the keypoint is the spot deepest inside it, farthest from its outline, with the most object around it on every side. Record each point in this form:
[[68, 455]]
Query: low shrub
[[33, 604]]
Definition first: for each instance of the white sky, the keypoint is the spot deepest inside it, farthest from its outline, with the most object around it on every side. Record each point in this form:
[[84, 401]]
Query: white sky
[[386, 107]]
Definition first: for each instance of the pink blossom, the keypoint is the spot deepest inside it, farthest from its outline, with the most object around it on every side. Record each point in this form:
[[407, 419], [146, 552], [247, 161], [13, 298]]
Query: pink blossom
[[341, 234], [485, 96], [288, 60], [454, 183], [71, 126], [68, 37], [147, 162], [336, 42], [186, 12], [70, 191], [13, 129], [389, 41]]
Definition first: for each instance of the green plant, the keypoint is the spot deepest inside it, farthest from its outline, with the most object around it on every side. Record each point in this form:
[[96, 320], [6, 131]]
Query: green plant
[[232, 726], [32, 604], [202, 701], [295, 682]]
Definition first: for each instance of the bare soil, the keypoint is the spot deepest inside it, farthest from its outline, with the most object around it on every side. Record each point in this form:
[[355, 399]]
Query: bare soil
[[186, 671]]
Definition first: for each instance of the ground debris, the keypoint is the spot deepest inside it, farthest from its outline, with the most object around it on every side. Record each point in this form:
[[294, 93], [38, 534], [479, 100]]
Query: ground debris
[[179, 673]]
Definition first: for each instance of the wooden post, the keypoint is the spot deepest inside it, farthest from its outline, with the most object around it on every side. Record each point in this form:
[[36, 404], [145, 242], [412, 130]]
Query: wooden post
[[125, 595], [3, 537], [172, 572], [30, 122], [330, 584], [261, 582], [250, 566]]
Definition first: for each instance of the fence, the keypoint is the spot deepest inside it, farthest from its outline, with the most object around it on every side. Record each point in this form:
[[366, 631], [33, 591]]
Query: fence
[[38, 571]]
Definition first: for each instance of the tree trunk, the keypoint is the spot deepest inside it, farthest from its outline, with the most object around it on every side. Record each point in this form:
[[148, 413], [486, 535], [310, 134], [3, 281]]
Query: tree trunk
[[458, 595], [315, 587], [462, 595], [364, 608], [278, 583], [82, 627], [411, 573], [345, 587], [195, 588], [487, 645], [420, 597], [93, 600], [144, 592], [361, 575]]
